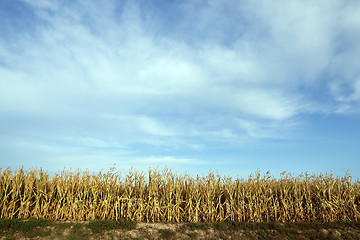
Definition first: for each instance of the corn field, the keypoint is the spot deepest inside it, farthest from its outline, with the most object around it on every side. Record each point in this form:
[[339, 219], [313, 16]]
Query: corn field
[[163, 196]]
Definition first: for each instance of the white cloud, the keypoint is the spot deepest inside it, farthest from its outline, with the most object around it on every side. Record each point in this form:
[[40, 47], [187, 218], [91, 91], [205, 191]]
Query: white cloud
[[152, 126], [266, 104], [272, 129], [347, 94], [229, 65], [111, 77], [89, 142], [165, 160]]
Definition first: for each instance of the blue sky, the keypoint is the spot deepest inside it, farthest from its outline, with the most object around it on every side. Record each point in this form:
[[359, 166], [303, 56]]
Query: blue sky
[[229, 86]]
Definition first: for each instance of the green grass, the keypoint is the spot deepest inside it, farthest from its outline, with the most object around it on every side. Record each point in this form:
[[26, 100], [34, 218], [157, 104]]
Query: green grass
[[22, 225], [30, 228]]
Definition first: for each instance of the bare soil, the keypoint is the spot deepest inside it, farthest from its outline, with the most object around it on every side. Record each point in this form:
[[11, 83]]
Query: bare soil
[[76, 231]]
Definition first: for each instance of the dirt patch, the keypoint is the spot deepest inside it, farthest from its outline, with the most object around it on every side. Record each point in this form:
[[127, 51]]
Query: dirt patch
[[152, 231]]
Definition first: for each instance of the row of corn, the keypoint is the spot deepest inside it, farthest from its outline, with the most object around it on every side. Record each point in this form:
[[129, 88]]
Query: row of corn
[[163, 196]]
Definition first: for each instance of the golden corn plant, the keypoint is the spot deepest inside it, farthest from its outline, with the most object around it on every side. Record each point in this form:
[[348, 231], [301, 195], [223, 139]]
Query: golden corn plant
[[163, 196]]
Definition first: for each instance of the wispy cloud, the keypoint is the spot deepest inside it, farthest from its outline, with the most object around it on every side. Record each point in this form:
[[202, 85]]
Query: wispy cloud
[[177, 75]]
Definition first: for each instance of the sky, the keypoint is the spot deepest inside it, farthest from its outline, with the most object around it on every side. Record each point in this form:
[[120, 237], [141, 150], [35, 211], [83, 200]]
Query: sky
[[228, 86]]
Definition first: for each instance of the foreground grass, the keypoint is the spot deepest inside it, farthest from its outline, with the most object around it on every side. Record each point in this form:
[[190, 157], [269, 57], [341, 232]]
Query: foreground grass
[[106, 229]]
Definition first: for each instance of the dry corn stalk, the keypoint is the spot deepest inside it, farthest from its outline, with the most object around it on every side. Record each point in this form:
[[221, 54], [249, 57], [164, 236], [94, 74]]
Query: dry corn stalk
[[162, 196]]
